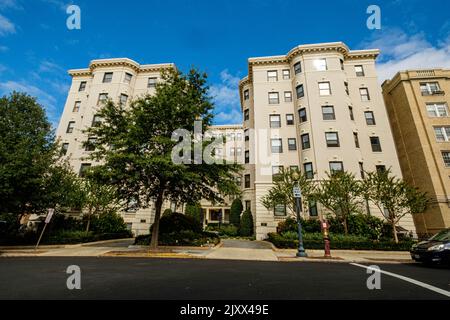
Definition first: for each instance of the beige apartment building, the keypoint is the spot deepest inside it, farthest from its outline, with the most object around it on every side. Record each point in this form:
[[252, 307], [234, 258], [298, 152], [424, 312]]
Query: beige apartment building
[[417, 103], [318, 108]]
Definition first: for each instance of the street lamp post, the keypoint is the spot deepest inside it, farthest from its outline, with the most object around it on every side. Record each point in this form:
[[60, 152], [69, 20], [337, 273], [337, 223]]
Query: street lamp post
[[298, 207]]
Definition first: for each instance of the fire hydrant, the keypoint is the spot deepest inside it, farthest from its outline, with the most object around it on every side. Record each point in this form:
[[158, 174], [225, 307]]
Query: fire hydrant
[[326, 237]]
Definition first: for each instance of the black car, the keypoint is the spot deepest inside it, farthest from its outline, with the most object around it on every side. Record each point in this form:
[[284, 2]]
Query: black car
[[435, 250]]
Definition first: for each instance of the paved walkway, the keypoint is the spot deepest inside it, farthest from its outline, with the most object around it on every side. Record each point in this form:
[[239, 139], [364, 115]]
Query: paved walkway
[[243, 250]]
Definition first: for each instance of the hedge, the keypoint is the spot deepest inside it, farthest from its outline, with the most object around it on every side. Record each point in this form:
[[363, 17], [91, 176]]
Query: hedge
[[341, 243]]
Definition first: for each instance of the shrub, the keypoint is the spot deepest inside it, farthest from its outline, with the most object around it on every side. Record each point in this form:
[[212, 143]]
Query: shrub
[[74, 237], [194, 210], [235, 212], [246, 226], [109, 222], [351, 242], [228, 230], [166, 212], [290, 224], [181, 238], [311, 225], [176, 222], [290, 235]]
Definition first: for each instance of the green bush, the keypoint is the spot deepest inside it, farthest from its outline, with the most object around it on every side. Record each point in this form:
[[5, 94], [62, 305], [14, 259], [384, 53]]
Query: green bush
[[290, 235], [228, 230], [181, 238], [167, 212], [246, 225], [290, 224], [235, 212], [359, 224], [352, 242], [109, 222], [194, 210], [311, 225], [74, 237], [176, 222]]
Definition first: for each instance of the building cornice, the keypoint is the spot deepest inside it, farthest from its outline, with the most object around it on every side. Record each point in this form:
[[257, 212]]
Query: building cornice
[[416, 75]]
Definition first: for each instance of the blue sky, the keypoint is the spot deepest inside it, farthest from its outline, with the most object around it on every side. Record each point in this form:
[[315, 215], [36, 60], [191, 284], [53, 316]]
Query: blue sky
[[36, 48]]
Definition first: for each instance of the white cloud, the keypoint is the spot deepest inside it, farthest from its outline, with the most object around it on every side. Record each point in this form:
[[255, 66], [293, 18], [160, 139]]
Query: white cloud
[[13, 4], [400, 51], [6, 26], [47, 66], [226, 99], [62, 5], [45, 99]]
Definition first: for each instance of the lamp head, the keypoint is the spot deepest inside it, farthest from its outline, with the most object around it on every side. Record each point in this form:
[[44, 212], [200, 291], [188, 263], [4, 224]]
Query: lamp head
[[295, 176]]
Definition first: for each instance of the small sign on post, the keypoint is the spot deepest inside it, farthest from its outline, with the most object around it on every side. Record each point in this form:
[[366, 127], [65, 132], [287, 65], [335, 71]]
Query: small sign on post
[[48, 218], [297, 192]]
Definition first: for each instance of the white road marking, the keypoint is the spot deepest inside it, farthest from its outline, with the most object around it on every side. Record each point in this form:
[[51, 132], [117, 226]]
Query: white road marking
[[416, 282]]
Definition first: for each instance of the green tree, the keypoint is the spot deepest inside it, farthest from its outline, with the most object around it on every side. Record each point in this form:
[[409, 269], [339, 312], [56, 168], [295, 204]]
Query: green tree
[[235, 212], [394, 197], [342, 194], [246, 225], [194, 210], [136, 145], [32, 178], [282, 190]]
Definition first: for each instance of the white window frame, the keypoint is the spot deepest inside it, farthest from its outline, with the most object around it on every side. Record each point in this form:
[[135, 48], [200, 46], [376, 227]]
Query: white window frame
[[321, 64], [444, 132], [325, 91], [434, 108]]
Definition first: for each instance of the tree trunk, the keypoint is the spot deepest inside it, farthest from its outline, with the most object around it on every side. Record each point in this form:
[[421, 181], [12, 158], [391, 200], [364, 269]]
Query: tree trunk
[[155, 231], [394, 232], [88, 220], [345, 226]]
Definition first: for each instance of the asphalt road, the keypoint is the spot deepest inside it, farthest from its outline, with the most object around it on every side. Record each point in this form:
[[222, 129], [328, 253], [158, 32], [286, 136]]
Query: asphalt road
[[145, 278]]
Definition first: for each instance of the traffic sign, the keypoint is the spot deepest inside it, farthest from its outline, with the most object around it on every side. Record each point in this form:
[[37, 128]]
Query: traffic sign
[[297, 192]]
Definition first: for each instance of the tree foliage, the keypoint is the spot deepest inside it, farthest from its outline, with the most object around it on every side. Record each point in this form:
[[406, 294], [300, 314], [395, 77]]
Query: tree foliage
[[235, 212], [341, 193], [136, 143], [246, 225], [195, 211], [393, 197], [282, 190]]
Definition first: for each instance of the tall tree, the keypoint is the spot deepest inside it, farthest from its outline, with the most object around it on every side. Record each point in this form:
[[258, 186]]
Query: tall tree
[[394, 197], [235, 212], [136, 146], [281, 192], [341, 193], [31, 176]]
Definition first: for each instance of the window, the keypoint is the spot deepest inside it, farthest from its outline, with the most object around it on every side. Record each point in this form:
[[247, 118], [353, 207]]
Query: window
[[361, 170], [287, 96], [76, 106], [302, 115], [324, 89], [370, 118], [437, 110], [83, 168], [286, 74], [289, 119], [246, 114], [248, 205], [238, 152], [276, 145], [274, 98], [380, 168], [350, 112], [312, 207], [70, 127], [364, 92], [275, 121], [246, 94], [107, 78], [332, 139], [342, 64], [359, 70], [247, 181], [328, 113], [306, 144], [308, 168], [102, 98], [320, 64], [82, 86], [376, 145], [446, 157], [128, 77], [247, 156], [90, 145], [123, 100], [272, 76], [336, 166], [442, 134], [64, 149], [429, 88], [232, 152], [300, 91], [346, 88], [96, 120], [239, 136], [152, 82], [292, 144], [297, 68], [246, 135], [279, 210], [356, 139], [276, 170]]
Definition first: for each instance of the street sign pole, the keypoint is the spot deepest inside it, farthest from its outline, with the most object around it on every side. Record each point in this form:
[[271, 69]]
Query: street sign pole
[[298, 195], [47, 221]]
